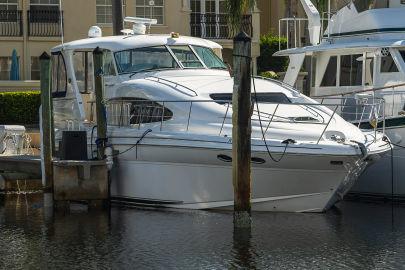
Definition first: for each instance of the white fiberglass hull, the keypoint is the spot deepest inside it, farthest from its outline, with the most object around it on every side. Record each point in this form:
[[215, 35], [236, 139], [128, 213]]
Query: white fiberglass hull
[[194, 178]]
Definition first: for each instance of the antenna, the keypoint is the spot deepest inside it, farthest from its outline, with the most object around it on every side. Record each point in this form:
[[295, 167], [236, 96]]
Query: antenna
[[139, 27]]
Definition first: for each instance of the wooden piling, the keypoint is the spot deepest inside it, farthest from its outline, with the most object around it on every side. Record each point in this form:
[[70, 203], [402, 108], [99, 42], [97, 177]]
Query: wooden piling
[[241, 131], [100, 108], [46, 103]]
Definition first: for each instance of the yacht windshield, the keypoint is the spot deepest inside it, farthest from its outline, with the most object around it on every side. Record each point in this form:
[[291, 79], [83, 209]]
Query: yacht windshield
[[171, 57], [186, 56], [142, 59], [210, 59]]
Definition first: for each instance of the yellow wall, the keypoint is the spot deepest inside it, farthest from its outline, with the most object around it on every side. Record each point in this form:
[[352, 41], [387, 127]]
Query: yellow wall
[[80, 15]]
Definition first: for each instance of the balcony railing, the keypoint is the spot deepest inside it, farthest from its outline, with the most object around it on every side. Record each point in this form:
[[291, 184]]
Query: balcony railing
[[45, 23], [217, 26], [11, 23]]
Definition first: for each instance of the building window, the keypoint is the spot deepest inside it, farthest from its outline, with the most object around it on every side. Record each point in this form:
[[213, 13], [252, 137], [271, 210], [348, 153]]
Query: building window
[[8, 4], [51, 5], [153, 9], [104, 11], [35, 70], [5, 65], [329, 78]]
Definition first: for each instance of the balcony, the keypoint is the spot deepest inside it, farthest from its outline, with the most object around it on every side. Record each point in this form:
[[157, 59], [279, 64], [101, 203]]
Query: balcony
[[11, 23], [45, 23], [216, 26]]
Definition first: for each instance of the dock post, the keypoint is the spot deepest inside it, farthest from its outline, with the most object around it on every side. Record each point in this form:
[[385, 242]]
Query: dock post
[[46, 100], [241, 131], [100, 108]]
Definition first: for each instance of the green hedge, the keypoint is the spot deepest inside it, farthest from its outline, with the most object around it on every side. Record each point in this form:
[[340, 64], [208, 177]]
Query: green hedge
[[269, 44], [19, 107]]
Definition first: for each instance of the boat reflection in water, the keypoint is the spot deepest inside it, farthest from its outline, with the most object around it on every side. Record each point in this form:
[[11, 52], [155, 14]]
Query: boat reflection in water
[[353, 235]]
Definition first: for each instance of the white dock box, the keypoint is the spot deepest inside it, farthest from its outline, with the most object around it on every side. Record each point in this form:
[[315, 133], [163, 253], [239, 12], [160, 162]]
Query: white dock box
[[11, 139]]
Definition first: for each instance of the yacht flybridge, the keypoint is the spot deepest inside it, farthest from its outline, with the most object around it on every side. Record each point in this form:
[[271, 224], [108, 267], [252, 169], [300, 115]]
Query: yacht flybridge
[[360, 57], [169, 113]]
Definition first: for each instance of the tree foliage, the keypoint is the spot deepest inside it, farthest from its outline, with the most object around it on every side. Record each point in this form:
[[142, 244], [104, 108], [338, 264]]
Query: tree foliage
[[236, 9]]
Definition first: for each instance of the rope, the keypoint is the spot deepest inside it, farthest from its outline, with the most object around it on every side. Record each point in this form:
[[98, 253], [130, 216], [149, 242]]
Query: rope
[[286, 142], [135, 145]]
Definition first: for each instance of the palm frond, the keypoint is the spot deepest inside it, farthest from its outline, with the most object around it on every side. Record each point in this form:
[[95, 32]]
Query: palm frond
[[236, 9]]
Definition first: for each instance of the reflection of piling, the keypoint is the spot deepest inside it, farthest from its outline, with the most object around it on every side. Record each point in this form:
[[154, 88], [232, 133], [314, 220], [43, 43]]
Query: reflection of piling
[[241, 132], [45, 73]]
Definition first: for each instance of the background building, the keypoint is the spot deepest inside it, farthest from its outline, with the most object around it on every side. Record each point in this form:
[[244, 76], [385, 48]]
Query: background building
[[33, 26]]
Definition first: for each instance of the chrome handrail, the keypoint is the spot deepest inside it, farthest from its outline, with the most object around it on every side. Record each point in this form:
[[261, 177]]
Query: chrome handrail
[[145, 113]]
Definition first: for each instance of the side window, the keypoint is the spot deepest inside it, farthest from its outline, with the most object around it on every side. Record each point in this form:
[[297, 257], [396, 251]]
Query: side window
[[83, 67], [313, 71], [387, 64], [351, 70], [369, 71], [329, 78], [108, 64], [145, 111], [402, 52], [59, 77]]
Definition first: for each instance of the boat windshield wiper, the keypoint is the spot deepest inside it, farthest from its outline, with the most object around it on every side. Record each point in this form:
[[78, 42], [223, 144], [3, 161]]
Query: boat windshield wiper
[[148, 69]]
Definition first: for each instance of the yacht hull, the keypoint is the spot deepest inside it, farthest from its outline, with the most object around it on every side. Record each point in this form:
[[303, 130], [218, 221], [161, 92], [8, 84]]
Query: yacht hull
[[377, 180], [299, 183]]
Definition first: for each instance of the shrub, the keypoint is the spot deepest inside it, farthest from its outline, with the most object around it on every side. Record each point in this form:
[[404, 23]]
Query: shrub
[[269, 44], [19, 107], [269, 74]]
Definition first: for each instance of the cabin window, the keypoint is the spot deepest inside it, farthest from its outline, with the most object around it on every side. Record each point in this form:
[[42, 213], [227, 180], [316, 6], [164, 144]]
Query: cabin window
[[83, 67], [369, 71], [351, 70], [186, 56], [146, 111], [402, 54], [278, 98], [329, 78], [108, 64], [313, 71], [388, 64], [59, 76], [210, 59], [143, 59]]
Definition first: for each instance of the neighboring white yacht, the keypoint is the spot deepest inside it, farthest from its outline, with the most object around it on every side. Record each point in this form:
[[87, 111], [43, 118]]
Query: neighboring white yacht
[[361, 57], [169, 114]]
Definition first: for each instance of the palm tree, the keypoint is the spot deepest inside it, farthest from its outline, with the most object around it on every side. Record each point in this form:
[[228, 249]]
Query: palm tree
[[236, 10]]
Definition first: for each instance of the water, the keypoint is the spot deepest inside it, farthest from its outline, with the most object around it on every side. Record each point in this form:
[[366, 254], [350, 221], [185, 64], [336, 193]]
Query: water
[[354, 235]]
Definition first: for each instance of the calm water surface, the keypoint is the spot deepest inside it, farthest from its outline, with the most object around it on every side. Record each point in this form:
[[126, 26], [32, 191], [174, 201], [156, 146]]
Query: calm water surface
[[354, 235]]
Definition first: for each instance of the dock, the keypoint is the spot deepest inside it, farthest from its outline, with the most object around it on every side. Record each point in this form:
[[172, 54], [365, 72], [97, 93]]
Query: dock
[[23, 164]]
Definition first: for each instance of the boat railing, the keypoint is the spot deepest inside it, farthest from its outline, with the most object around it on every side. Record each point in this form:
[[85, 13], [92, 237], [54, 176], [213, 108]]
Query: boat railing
[[188, 115], [294, 29], [390, 93]]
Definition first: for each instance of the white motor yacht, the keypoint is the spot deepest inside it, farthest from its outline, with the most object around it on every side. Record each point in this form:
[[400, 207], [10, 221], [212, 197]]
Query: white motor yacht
[[360, 57], [168, 101]]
